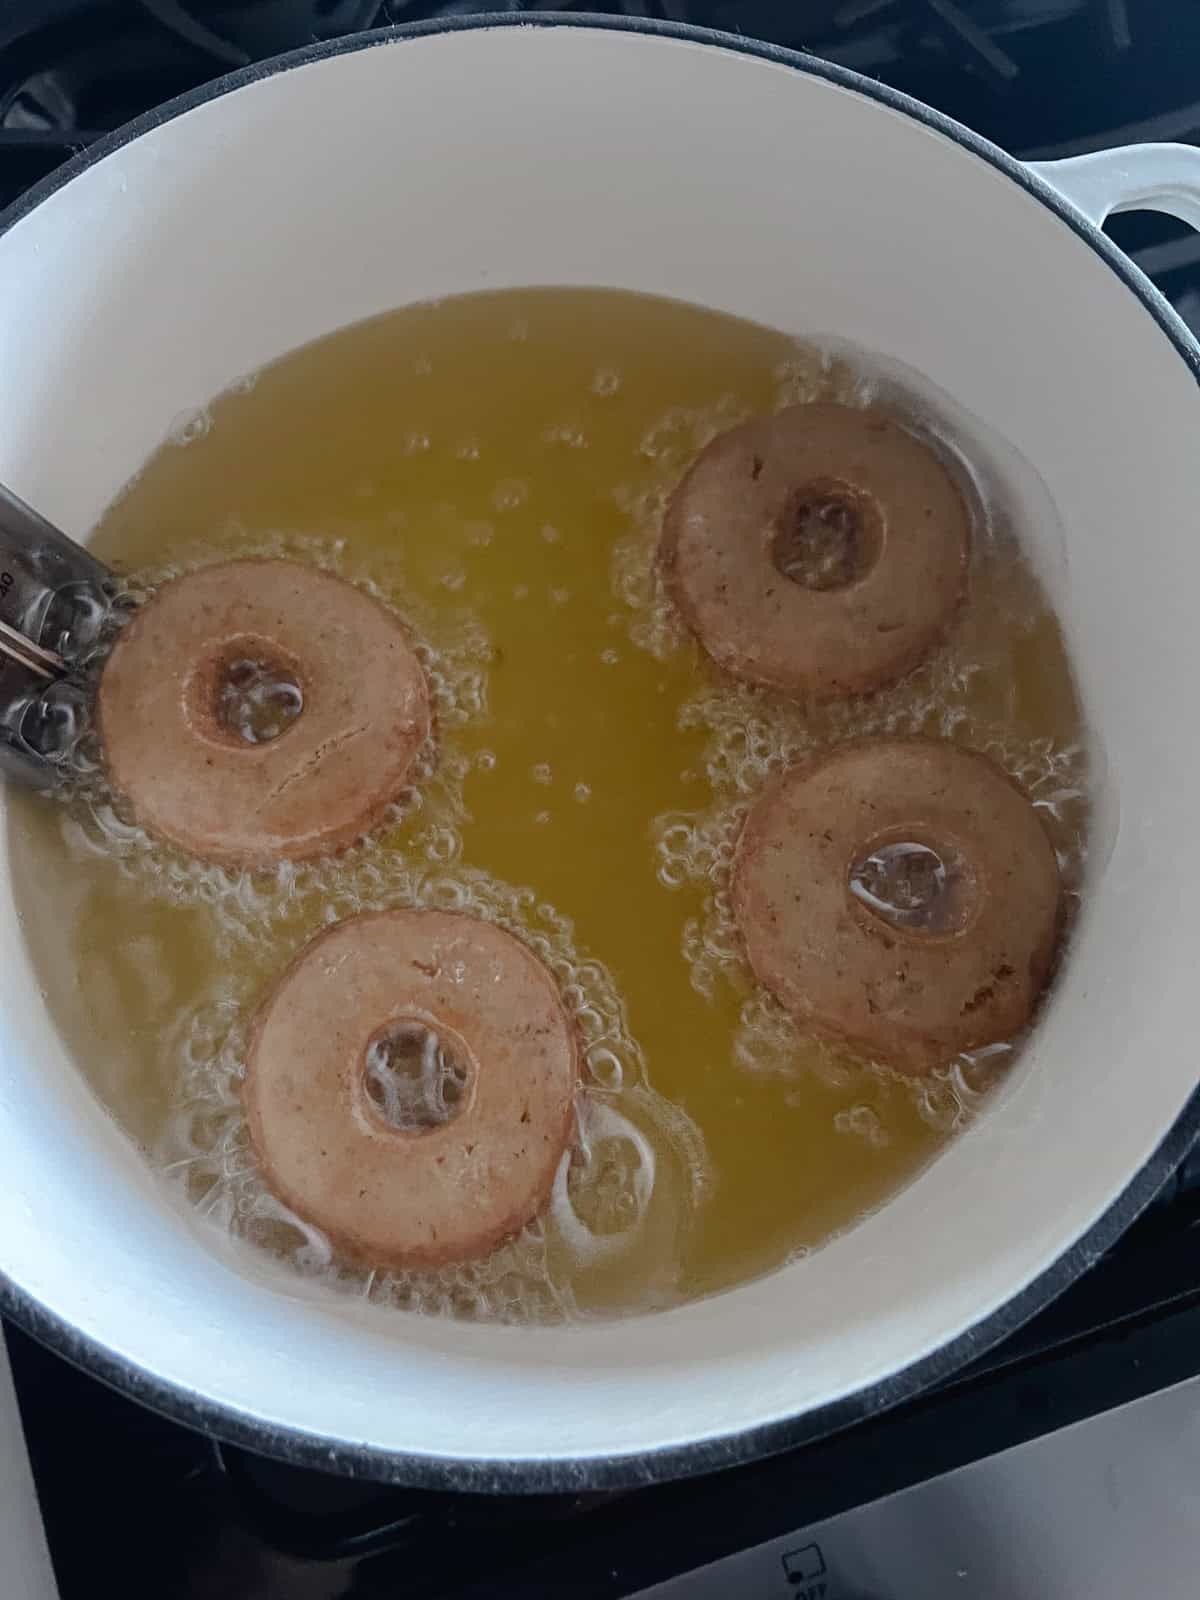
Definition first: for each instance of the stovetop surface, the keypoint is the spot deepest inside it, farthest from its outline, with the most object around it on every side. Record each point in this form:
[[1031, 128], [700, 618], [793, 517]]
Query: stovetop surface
[[140, 1505], [133, 1501]]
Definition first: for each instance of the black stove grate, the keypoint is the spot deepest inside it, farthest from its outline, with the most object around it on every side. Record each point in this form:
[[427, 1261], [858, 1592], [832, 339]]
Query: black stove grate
[[1040, 77]]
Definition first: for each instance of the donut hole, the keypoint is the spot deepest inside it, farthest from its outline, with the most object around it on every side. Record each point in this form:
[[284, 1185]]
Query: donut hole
[[258, 697], [417, 1075], [828, 536], [245, 692], [915, 887]]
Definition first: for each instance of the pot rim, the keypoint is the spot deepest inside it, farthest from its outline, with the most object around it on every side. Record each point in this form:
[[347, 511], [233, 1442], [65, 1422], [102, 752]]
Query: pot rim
[[637, 1469]]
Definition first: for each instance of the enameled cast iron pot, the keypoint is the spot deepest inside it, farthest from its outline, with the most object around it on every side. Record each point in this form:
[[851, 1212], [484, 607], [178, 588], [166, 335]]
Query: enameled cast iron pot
[[290, 199]]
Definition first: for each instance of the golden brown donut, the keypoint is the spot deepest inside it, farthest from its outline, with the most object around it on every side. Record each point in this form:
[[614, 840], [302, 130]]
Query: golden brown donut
[[481, 1138], [318, 785], [821, 551], [900, 896]]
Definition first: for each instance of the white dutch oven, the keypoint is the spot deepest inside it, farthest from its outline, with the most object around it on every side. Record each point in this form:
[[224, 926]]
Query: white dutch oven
[[259, 214]]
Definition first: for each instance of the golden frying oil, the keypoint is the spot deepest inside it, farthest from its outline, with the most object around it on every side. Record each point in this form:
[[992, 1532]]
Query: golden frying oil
[[496, 465]]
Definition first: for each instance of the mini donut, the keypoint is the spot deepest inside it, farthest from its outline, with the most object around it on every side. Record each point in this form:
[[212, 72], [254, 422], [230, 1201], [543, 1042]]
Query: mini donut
[[415, 1194], [821, 551], [327, 777], [948, 953]]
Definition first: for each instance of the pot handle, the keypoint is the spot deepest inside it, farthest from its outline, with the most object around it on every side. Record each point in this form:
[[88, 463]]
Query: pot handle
[[1133, 177]]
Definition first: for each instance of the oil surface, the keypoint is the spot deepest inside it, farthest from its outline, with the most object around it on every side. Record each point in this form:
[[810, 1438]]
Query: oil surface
[[495, 466]]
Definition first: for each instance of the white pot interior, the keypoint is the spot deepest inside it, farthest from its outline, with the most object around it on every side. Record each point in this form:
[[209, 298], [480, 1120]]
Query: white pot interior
[[276, 213]]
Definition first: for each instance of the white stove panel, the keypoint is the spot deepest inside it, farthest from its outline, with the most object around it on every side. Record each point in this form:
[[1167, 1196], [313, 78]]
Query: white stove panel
[[1108, 1509]]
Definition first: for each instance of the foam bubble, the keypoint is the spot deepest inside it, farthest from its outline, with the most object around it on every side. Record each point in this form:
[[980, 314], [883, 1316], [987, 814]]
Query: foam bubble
[[189, 426], [509, 494], [862, 1122], [603, 1184], [569, 434], [605, 1068], [815, 372]]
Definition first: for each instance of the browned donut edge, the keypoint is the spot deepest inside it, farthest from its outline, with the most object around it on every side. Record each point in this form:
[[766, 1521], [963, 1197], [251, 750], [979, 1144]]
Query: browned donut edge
[[332, 841], [909, 1058], [846, 685], [347, 1243]]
